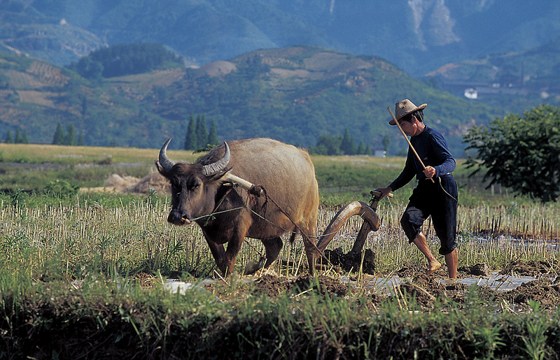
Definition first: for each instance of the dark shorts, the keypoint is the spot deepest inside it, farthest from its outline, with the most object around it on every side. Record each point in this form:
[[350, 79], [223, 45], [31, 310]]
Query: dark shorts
[[429, 199]]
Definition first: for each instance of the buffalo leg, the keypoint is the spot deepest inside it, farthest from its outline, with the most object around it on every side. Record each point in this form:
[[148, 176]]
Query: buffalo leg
[[310, 244], [234, 245], [219, 254], [272, 247]]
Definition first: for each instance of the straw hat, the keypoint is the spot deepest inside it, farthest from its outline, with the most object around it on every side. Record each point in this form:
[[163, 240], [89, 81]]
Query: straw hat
[[405, 107]]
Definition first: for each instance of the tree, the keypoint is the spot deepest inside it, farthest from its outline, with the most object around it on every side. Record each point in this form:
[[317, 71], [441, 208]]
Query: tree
[[21, 137], [201, 132], [58, 137], [347, 145], [213, 134], [362, 149], [9, 138], [70, 138], [327, 145], [81, 140], [386, 140], [522, 153], [124, 59], [190, 137]]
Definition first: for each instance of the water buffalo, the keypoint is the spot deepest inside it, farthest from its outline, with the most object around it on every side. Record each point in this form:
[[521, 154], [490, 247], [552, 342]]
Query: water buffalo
[[228, 209]]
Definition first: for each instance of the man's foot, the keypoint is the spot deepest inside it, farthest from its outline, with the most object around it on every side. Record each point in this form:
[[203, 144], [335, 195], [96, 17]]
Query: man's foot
[[433, 266]]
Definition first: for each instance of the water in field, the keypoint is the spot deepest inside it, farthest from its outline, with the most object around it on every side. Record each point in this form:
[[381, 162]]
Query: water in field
[[384, 285], [495, 281]]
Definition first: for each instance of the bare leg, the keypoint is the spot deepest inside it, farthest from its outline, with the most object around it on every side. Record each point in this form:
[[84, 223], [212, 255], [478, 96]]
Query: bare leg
[[422, 245], [452, 259]]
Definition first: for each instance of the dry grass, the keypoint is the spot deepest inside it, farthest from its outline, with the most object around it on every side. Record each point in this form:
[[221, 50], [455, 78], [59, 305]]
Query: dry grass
[[136, 237]]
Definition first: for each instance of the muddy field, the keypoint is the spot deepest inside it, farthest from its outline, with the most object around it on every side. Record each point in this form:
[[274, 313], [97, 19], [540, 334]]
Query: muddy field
[[528, 281]]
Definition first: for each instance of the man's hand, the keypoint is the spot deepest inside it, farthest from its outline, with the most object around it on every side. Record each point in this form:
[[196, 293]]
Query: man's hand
[[386, 191], [430, 172]]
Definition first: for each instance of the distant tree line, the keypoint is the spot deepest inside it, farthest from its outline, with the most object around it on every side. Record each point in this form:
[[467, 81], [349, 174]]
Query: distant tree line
[[20, 137], [340, 145], [198, 137], [68, 136], [119, 60]]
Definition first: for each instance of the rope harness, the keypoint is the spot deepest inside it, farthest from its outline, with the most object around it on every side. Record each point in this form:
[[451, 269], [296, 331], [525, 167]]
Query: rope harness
[[257, 191]]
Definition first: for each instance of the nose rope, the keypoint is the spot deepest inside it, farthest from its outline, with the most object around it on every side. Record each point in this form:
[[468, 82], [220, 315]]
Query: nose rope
[[214, 212], [209, 216]]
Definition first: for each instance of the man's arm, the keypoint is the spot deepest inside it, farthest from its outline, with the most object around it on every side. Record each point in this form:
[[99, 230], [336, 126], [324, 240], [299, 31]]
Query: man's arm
[[446, 161], [406, 174]]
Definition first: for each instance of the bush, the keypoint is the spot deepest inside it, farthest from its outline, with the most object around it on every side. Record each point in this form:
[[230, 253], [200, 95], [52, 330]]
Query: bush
[[60, 189], [522, 153]]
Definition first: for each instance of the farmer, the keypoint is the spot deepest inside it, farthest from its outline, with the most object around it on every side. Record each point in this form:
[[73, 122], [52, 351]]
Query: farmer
[[436, 190]]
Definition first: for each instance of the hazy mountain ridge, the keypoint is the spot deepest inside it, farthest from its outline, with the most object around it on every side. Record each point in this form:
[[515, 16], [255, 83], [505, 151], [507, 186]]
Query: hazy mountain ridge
[[416, 35]]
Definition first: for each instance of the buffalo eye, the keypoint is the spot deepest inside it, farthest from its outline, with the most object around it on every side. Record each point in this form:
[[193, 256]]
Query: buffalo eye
[[193, 184]]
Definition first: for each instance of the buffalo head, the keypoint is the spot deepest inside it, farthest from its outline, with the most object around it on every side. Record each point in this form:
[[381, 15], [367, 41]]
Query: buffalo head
[[193, 186]]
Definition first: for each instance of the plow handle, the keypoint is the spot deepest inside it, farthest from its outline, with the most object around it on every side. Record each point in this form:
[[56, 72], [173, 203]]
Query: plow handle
[[365, 229]]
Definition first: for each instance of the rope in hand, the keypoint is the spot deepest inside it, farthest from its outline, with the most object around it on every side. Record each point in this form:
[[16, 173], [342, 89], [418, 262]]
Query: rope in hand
[[445, 191]]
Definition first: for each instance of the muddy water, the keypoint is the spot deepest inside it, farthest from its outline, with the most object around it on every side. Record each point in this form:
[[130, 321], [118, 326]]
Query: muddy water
[[495, 281], [386, 285]]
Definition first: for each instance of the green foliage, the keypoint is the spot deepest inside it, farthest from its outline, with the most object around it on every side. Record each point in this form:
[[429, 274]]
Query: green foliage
[[20, 137], [119, 60], [58, 137], [535, 340], [60, 189], [339, 145], [249, 101], [67, 137], [9, 138], [200, 131], [327, 145], [18, 198], [190, 138], [213, 134], [198, 137], [522, 153], [347, 144]]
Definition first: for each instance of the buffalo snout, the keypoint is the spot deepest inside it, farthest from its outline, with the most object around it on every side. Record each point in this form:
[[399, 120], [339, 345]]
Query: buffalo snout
[[178, 218]]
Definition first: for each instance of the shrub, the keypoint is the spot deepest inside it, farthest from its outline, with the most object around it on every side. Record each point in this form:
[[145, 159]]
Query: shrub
[[522, 153]]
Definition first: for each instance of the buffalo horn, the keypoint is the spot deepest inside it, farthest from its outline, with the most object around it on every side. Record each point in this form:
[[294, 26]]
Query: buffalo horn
[[164, 161], [218, 166]]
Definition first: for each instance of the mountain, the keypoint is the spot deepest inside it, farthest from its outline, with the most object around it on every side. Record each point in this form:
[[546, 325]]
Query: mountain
[[418, 36], [288, 69], [293, 94], [518, 79]]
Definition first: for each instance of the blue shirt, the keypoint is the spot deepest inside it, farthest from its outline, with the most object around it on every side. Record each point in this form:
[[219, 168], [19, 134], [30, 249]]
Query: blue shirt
[[432, 149]]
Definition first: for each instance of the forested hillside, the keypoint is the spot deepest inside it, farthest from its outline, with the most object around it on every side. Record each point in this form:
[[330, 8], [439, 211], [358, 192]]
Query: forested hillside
[[294, 94]]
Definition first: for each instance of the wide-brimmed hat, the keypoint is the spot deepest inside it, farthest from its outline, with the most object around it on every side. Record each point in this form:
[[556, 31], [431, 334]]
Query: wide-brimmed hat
[[405, 107]]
